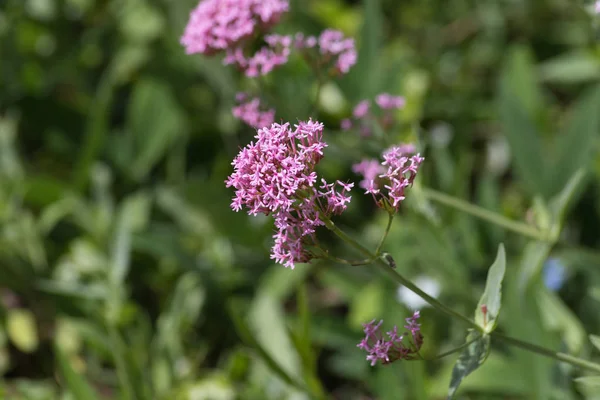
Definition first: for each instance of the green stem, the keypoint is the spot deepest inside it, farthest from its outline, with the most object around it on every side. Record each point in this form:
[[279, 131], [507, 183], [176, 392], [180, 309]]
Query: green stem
[[578, 362], [456, 350], [385, 234], [385, 267], [487, 215]]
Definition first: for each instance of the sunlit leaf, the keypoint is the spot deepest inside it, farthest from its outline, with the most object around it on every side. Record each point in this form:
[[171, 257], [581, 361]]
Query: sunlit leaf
[[471, 358], [488, 308]]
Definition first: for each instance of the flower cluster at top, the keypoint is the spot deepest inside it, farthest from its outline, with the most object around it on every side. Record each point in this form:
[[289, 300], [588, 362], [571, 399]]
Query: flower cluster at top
[[276, 176], [392, 348], [388, 180], [363, 117], [249, 111], [217, 25], [597, 7], [230, 26]]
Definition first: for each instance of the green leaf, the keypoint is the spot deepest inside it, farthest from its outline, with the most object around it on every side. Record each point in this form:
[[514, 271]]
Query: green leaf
[[22, 330], [575, 146], [75, 382], [595, 341], [523, 137], [155, 120], [574, 67], [469, 360], [492, 295], [235, 310], [521, 78], [590, 381], [558, 316]]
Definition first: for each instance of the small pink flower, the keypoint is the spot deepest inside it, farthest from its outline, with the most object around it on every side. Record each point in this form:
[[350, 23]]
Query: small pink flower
[[250, 112], [597, 7], [346, 124], [265, 60], [392, 348], [333, 43], [387, 102], [388, 181], [361, 110]]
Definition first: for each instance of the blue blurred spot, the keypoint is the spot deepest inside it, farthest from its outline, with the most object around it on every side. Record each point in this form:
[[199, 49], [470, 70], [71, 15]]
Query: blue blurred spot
[[554, 274]]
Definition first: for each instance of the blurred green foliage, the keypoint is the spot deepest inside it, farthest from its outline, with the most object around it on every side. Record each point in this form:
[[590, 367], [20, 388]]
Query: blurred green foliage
[[124, 273]]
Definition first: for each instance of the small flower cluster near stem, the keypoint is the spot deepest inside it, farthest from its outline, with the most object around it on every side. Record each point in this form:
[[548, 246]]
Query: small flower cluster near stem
[[276, 176], [249, 111], [393, 347], [388, 180], [363, 117]]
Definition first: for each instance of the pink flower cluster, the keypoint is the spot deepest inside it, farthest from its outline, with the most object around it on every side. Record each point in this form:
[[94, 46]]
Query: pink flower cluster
[[217, 25], [392, 348], [332, 47], [249, 111], [388, 180], [276, 176], [362, 116], [265, 60]]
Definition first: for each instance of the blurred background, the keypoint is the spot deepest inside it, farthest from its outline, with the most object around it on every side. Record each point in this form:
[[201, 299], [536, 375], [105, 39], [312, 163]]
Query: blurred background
[[124, 273]]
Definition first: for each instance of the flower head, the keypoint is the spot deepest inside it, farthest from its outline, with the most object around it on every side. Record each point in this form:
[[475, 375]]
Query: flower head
[[387, 181], [249, 111], [276, 176], [217, 25], [393, 347], [388, 102], [333, 47], [275, 53], [363, 117]]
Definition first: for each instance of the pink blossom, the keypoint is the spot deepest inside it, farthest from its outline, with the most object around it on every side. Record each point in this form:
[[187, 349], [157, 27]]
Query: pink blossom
[[333, 43], [387, 102], [217, 25], [275, 53], [250, 112], [392, 348], [332, 46], [276, 176], [597, 7], [361, 110], [346, 124], [388, 181]]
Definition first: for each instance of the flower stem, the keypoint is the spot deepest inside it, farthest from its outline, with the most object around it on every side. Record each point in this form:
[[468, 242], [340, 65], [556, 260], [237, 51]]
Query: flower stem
[[490, 216], [385, 267], [578, 362], [456, 350], [385, 234]]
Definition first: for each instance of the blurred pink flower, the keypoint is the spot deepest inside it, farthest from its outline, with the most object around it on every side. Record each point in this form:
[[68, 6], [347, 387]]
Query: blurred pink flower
[[249, 111], [387, 102], [217, 25]]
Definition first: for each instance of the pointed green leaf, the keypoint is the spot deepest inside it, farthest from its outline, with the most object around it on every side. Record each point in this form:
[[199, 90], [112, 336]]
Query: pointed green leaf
[[575, 146], [589, 381], [489, 304], [246, 335], [471, 358], [517, 112], [595, 341], [75, 382]]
